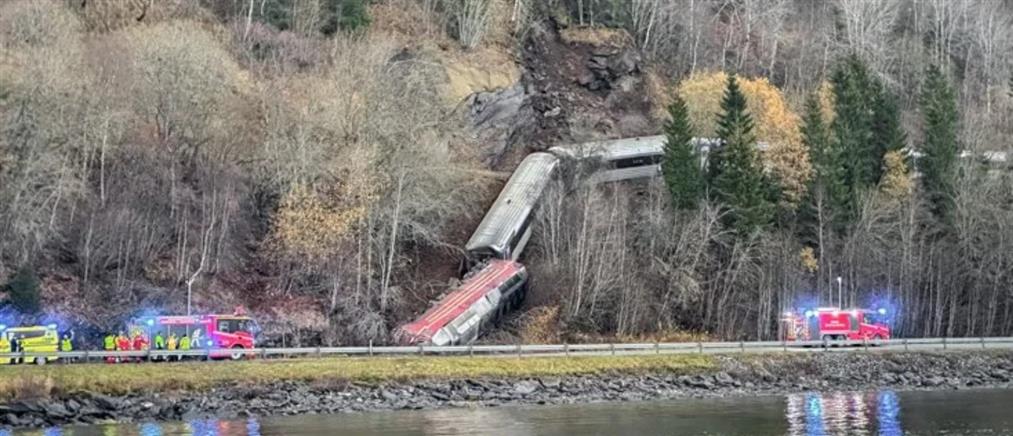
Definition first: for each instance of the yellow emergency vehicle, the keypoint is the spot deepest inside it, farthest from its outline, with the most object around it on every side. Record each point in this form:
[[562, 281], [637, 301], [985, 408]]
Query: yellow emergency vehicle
[[34, 339]]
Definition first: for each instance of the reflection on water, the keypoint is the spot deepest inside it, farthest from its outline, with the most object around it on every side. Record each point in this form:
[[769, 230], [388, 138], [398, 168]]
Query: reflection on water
[[853, 413], [844, 413]]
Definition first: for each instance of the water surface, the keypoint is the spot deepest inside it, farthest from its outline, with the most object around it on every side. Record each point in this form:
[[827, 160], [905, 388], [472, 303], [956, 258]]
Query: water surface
[[850, 413]]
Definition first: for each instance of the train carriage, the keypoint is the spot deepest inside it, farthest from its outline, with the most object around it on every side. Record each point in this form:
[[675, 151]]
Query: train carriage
[[506, 227], [469, 309], [618, 159]]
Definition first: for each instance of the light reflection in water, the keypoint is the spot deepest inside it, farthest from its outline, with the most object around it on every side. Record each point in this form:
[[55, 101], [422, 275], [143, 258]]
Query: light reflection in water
[[851, 413]]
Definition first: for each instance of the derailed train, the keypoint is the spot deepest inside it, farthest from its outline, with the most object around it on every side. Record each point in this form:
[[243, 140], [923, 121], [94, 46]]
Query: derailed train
[[498, 282]]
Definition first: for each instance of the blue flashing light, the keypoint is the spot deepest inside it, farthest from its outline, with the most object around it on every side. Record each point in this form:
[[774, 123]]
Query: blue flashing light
[[809, 314], [211, 343], [151, 322], [3, 326], [52, 326], [882, 311]]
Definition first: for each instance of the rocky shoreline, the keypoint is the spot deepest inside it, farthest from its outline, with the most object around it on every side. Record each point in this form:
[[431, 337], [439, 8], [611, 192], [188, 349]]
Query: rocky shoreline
[[734, 376]]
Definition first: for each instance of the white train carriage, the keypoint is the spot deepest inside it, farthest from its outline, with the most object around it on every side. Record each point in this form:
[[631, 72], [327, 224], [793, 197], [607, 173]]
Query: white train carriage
[[506, 227], [618, 159]]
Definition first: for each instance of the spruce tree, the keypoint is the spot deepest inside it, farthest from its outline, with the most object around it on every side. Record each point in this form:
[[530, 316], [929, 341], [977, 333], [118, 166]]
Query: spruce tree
[[939, 162], [828, 185], [681, 166], [737, 178], [887, 133]]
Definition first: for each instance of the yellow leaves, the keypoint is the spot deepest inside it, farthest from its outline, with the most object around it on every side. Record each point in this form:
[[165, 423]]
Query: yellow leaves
[[809, 260], [775, 123], [896, 183], [308, 228]]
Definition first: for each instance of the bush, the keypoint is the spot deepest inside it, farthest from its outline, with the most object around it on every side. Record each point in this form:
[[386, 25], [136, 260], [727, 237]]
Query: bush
[[23, 291]]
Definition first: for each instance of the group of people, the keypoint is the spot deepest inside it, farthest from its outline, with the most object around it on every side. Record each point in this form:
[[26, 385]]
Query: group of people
[[138, 341]]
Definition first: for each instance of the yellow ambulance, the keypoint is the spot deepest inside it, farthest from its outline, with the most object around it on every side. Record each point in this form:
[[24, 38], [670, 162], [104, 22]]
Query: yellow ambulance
[[34, 339]]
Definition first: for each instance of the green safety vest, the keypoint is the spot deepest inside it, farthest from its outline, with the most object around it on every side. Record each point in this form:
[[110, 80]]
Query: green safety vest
[[65, 345], [159, 342], [109, 342], [184, 344]]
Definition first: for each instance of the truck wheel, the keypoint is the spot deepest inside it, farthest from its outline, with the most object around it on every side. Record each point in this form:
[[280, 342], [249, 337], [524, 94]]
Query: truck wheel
[[826, 340], [237, 352]]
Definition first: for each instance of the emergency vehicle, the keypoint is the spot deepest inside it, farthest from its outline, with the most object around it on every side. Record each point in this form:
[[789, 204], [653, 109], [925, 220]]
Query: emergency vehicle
[[235, 332], [831, 323], [33, 339]]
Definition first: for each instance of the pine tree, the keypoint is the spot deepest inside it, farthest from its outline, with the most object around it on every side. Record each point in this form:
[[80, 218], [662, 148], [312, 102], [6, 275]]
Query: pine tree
[[737, 178], [681, 166], [940, 118], [23, 291]]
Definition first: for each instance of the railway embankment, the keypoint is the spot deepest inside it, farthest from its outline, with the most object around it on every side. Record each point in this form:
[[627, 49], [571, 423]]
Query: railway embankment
[[66, 394]]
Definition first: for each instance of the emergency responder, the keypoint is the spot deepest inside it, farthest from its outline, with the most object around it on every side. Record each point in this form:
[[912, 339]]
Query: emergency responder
[[67, 344], [159, 343], [109, 344], [122, 344], [184, 344], [16, 347]]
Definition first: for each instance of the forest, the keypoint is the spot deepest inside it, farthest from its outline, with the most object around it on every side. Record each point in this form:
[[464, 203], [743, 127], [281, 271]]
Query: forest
[[322, 162]]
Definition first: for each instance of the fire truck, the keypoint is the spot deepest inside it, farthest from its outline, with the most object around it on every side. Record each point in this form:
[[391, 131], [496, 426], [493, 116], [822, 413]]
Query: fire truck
[[235, 332], [831, 323]]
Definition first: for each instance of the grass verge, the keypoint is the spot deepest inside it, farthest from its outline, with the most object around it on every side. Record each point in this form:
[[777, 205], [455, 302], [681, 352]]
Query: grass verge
[[195, 376]]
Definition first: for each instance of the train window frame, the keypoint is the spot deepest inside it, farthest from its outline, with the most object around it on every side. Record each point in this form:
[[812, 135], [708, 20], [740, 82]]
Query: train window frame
[[636, 161]]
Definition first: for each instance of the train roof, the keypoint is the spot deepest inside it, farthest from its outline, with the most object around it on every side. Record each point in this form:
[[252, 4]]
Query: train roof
[[626, 147], [464, 296], [516, 199]]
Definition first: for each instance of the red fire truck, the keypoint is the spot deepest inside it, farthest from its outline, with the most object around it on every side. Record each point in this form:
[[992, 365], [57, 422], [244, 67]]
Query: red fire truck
[[215, 332], [831, 323]]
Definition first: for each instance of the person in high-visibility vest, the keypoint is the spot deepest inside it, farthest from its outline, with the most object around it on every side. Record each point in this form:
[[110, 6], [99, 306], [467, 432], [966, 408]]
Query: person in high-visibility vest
[[109, 344], [159, 343], [184, 344], [122, 344], [67, 344]]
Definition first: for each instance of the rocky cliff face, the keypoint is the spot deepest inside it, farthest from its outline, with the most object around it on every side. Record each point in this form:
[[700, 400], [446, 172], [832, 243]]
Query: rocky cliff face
[[575, 86]]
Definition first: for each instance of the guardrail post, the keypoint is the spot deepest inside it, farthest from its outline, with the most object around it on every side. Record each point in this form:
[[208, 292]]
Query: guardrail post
[[905, 344], [699, 346], [420, 350], [566, 349], [784, 346], [982, 342], [742, 346], [370, 348], [612, 349], [518, 351], [657, 347], [944, 342], [865, 343], [471, 350]]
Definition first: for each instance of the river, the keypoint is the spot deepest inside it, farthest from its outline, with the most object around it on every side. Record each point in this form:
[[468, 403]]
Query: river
[[852, 413]]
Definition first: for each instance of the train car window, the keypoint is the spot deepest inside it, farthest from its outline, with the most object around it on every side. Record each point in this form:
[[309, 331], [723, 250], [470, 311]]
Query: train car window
[[637, 161]]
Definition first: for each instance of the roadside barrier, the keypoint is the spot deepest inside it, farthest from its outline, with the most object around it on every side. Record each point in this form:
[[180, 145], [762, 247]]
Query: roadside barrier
[[891, 345]]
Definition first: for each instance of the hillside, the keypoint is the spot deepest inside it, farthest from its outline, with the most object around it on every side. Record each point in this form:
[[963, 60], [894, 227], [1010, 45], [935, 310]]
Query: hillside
[[322, 162]]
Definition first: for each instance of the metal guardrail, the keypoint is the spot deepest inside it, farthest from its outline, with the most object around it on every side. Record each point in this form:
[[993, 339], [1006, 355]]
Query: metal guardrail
[[922, 344]]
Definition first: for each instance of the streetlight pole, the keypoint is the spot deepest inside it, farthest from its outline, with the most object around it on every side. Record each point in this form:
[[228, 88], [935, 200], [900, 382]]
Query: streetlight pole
[[840, 293]]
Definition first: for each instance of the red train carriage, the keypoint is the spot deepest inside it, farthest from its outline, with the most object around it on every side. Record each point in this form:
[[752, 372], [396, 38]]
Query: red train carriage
[[463, 314]]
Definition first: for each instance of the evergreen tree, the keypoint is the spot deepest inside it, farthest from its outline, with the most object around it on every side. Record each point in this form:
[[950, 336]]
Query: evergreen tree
[[354, 15], [736, 176], [940, 118], [887, 133], [867, 127], [828, 185], [681, 166], [23, 291]]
